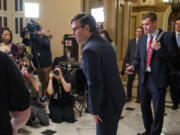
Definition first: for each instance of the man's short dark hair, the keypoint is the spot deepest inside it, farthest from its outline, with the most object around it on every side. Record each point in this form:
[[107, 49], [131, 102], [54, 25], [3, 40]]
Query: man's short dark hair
[[86, 19], [140, 28], [150, 15], [177, 19]]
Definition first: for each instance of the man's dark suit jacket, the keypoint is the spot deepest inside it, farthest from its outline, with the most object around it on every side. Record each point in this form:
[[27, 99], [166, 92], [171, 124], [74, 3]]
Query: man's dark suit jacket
[[14, 92], [175, 65], [103, 79], [130, 51], [159, 60]]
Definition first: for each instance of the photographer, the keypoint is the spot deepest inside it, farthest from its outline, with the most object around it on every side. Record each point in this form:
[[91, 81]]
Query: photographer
[[40, 49], [37, 111], [60, 105]]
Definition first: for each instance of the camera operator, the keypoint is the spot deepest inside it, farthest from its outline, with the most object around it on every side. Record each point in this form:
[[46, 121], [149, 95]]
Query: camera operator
[[41, 51], [61, 104], [37, 111]]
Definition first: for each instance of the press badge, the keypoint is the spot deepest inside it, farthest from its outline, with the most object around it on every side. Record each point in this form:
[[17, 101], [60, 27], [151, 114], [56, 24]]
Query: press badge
[[55, 96]]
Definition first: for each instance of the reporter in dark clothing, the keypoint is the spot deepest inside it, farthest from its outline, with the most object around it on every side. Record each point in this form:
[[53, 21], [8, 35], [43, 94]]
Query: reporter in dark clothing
[[37, 110], [60, 105], [14, 97], [42, 56], [42, 45]]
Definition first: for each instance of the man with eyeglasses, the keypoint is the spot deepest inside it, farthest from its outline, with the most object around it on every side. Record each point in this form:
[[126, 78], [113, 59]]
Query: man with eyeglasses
[[105, 91]]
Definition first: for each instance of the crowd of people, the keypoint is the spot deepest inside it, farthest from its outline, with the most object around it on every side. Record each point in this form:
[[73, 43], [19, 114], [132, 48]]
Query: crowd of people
[[26, 77], [154, 55]]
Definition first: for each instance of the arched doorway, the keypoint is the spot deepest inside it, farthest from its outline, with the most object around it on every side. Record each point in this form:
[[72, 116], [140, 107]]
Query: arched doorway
[[171, 21]]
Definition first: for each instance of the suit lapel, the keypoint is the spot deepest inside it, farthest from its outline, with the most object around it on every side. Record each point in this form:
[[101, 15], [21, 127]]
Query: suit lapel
[[134, 44], [144, 49], [134, 41]]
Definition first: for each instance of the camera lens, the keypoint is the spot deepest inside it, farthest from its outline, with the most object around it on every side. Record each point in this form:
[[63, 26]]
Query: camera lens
[[56, 72]]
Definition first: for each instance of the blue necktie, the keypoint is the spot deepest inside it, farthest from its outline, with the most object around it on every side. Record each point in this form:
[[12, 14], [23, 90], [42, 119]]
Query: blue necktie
[[178, 39]]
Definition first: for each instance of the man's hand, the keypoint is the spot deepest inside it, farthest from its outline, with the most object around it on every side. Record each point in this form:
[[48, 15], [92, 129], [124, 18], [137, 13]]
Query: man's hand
[[130, 70], [97, 118], [156, 45]]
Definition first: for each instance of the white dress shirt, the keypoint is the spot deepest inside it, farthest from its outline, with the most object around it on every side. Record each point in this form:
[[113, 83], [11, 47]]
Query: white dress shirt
[[178, 38], [148, 68]]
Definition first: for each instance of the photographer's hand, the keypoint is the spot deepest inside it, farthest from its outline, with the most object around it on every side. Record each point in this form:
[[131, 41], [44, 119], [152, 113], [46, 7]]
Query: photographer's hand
[[51, 75], [30, 78], [50, 89]]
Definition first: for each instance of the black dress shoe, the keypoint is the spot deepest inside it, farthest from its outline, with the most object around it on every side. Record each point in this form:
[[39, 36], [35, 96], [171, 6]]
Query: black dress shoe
[[144, 133], [175, 107], [128, 99], [138, 100]]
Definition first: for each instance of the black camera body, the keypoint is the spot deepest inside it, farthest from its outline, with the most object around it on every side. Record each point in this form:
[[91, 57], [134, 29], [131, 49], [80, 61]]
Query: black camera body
[[30, 69], [31, 28], [56, 72]]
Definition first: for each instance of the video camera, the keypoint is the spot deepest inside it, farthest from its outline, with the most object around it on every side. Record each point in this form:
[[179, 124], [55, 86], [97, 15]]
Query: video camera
[[31, 28], [28, 34]]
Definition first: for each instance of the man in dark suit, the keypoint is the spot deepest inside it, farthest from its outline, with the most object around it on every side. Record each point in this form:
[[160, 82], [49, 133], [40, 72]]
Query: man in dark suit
[[151, 56], [128, 59], [105, 91], [174, 77]]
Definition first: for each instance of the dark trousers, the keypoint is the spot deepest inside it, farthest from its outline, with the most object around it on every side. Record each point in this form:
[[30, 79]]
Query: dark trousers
[[110, 117], [40, 113], [62, 113], [129, 86], [149, 91], [174, 88]]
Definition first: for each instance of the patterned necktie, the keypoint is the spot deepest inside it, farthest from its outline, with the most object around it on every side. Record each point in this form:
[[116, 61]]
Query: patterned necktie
[[149, 54]]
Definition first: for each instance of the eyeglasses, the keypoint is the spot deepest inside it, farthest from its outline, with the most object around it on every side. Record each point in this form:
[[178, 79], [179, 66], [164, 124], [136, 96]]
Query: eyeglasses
[[76, 28]]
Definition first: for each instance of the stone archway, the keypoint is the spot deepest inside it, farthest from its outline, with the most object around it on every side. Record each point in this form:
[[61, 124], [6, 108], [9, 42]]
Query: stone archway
[[166, 18], [169, 19]]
